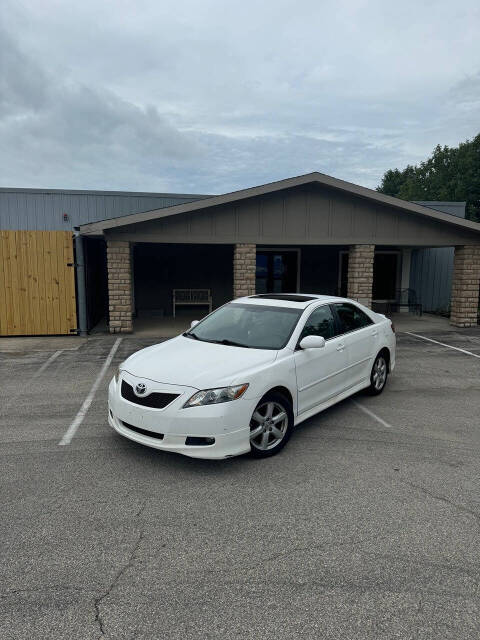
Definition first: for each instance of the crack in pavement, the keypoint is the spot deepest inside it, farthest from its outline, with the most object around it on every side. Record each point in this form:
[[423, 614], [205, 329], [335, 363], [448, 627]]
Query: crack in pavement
[[333, 544], [436, 496], [118, 575]]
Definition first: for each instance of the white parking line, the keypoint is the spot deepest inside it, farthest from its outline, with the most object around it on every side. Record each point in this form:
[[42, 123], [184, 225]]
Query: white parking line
[[37, 373], [77, 421], [53, 357], [469, 353], [372, 415]]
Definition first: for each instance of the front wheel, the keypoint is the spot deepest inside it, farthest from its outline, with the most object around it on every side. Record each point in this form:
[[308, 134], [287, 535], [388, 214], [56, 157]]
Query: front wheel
[[378, 376], [271, 425]]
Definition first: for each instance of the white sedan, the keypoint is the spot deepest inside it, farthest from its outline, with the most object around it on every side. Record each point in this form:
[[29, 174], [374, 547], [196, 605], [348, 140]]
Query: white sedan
[[242, 378]]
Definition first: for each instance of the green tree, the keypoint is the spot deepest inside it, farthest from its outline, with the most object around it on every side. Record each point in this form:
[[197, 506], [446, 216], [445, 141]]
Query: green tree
[[450, 173]]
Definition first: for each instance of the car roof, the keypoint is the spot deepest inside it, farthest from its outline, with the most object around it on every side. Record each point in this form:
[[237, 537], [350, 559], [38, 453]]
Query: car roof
[[289, 300]]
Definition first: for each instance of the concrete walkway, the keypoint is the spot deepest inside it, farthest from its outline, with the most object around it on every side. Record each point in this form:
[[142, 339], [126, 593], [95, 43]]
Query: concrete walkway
[[426, 322], [170, 327], [166, 327], [154, 327]]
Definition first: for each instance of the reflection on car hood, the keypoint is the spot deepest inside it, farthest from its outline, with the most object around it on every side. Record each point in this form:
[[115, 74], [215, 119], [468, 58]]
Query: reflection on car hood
[[192, 363]]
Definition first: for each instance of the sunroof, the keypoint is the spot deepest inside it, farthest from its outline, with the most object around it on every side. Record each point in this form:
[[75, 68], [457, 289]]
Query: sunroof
[[284, 296]]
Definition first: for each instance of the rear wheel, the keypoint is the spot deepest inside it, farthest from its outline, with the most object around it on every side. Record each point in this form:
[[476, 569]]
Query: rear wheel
[[271, 425], [379, 375]]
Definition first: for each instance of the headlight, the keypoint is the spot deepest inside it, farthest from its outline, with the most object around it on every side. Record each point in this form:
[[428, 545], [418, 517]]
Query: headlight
[[215, 396]]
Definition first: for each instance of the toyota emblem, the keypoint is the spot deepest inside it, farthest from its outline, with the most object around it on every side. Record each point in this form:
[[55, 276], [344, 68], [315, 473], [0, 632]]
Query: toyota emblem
[[140, 389]]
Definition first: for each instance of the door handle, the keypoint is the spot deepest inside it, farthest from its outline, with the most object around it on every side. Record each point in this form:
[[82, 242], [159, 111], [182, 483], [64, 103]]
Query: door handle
[[374, 332], [340, 347]]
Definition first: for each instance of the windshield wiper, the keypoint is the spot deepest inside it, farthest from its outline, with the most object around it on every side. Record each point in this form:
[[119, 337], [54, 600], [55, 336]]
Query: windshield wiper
[[232, 343], [189, 334]]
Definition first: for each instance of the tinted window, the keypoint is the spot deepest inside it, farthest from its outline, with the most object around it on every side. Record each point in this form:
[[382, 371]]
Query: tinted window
[[248, 325], [320, 323], [351, 317]]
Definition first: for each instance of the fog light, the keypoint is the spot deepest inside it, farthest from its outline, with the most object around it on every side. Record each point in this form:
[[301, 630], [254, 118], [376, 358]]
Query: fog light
[[194, 441]]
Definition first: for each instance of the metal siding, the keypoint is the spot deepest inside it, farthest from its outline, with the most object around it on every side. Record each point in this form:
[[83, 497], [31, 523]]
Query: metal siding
[[43, 210], [453, 208], [431, 277]]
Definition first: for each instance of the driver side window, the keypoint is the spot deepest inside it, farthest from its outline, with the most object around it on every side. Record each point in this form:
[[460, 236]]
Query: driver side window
[[320, 323]]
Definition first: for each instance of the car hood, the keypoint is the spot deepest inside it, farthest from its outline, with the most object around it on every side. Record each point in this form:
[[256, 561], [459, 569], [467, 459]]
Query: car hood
[[192, 363]]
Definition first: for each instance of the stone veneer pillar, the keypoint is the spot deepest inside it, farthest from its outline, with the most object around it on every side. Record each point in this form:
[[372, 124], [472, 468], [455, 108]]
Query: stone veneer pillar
[[360, 273], [465, 286], [244, 268], [119, 286]]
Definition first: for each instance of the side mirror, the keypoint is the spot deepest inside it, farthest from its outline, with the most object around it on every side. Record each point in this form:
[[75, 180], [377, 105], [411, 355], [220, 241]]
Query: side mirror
[[312, 342], [194, 323]]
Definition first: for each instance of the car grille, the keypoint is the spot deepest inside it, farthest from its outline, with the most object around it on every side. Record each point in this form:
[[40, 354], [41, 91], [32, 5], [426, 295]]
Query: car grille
[[154, 400], [144, 432]]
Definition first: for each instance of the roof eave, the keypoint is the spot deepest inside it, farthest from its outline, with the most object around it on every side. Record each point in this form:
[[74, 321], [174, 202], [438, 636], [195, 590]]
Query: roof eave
[[98, 228]]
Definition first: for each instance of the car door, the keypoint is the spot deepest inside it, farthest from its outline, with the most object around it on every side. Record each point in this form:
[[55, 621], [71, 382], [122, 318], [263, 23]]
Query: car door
[[320, 372], [360, 338]]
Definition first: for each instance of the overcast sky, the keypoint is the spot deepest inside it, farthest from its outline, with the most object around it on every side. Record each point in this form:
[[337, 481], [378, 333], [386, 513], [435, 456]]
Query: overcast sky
[[209, 96]]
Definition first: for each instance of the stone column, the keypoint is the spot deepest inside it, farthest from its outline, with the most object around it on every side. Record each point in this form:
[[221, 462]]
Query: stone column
[[119, 286], [360, 273], [244, 267], [465, 286]]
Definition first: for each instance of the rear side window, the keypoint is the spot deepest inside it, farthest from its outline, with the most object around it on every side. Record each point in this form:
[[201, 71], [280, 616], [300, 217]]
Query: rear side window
[[320, 323], [351, 317]]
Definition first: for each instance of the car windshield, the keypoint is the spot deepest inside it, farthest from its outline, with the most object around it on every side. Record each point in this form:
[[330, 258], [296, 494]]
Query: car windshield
[[248, 325]]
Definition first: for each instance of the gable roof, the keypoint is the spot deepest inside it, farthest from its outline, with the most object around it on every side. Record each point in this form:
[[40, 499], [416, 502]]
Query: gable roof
[[97, 228]]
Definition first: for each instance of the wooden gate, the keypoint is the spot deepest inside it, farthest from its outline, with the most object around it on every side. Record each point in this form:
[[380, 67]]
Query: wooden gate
[[37, 283]]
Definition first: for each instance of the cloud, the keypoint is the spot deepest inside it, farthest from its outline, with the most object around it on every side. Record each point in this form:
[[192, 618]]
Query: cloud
[[201, 97], [56, 132], [22, 84]]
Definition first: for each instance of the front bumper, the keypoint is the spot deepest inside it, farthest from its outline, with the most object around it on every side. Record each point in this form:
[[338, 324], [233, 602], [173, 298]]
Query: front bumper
[[228, 423]]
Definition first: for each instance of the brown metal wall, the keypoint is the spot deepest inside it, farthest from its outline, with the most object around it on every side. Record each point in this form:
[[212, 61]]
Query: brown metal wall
[[310, 214]]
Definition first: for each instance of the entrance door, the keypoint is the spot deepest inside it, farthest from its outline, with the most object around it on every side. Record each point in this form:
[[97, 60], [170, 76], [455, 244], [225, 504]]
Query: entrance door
[[276, 271]]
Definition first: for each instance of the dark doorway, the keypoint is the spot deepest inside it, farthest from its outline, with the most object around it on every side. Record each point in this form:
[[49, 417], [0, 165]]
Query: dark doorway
[[277, 271], [385, 267], [95, 255]]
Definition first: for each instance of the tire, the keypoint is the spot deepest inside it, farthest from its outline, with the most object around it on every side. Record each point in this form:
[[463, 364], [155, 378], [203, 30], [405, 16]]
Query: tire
[[267, 442], [379, 375]]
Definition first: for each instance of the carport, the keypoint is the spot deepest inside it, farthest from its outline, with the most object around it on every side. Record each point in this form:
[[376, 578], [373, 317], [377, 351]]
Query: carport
[[309, 233]]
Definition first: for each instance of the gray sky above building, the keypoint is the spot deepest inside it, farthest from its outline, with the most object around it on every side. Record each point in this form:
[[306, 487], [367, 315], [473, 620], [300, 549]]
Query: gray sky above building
[[213, 96]]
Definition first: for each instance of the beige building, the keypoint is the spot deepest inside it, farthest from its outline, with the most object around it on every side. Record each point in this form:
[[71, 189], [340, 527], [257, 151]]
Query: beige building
[[311, 233]]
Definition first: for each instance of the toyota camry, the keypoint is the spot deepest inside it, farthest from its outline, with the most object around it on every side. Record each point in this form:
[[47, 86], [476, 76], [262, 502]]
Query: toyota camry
[[245, 376]]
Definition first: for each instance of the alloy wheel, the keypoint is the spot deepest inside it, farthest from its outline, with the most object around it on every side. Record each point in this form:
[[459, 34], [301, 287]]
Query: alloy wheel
[[379, 374], [268, 425]]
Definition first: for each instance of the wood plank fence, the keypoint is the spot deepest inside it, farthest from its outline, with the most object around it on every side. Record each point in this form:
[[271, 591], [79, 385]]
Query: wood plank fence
[[37, 285]]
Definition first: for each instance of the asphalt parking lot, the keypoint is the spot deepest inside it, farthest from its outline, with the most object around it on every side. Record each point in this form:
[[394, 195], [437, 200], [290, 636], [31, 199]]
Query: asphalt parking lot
[[366, 525]]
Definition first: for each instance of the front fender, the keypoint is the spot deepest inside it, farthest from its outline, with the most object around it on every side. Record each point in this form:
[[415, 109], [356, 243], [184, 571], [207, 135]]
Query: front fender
[[280, 373]]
